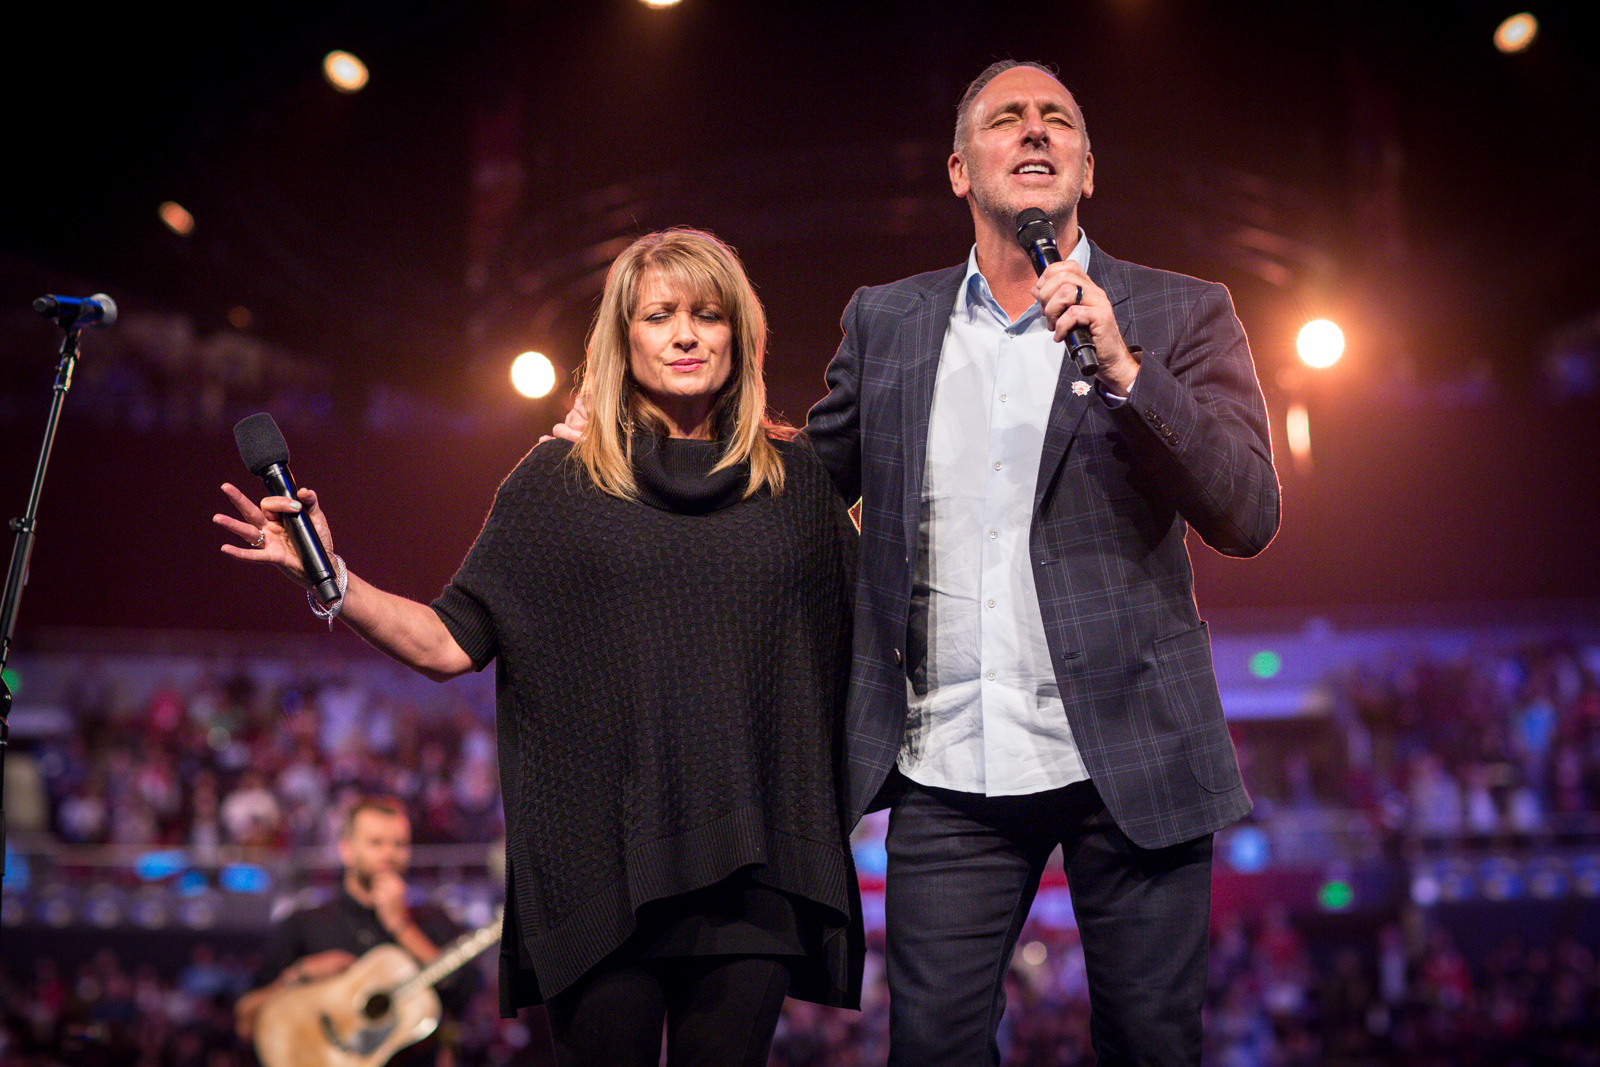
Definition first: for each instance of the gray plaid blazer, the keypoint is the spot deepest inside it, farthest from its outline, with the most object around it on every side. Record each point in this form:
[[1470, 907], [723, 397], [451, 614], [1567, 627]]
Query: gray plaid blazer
[[1118, 489]]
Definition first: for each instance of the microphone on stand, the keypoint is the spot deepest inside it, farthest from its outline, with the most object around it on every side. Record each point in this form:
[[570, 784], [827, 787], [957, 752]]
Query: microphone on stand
[[1037, 237], [72, 313]]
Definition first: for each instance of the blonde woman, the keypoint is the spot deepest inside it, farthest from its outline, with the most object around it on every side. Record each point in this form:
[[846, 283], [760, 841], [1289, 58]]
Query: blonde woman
[[667, 603]]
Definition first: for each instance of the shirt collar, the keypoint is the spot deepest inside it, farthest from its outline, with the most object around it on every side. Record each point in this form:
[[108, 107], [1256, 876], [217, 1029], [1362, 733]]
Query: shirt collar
[[976, 295]]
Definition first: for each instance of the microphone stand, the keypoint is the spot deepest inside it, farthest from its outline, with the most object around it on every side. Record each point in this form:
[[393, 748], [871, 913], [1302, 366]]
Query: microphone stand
[[17, 575]]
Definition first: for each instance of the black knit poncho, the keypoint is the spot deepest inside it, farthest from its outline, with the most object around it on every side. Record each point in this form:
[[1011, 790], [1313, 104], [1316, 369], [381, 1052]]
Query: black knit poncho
[[670, 681]]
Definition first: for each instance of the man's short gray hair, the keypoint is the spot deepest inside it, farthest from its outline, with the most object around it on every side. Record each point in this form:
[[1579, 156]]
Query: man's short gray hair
[[993, 70]]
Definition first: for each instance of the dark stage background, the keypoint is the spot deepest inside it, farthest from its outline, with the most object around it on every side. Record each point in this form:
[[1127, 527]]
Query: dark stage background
[[364, 266]]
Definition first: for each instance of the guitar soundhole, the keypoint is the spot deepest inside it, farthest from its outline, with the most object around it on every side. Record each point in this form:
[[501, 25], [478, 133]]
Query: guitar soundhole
[[377, 1006]]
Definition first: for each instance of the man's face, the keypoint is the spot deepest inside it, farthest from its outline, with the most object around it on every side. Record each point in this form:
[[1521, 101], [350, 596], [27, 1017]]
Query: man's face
[[377, 842], [1025, 147]]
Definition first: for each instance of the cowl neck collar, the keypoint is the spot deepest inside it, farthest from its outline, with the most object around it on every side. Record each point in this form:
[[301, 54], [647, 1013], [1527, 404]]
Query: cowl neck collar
[[674, 474]]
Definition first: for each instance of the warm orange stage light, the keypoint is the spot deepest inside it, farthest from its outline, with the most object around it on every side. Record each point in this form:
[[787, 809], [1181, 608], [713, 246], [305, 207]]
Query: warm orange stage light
[[177, 218], [344, 72], [1320, 343], [1516, 33], [532, 374]]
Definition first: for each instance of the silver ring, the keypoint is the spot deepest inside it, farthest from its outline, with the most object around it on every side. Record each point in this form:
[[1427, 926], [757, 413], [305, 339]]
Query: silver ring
[[261, 538]]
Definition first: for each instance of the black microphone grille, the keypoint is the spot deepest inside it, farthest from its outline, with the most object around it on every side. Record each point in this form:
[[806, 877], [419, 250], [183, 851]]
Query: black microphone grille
[[261, 443], [1034, 225]]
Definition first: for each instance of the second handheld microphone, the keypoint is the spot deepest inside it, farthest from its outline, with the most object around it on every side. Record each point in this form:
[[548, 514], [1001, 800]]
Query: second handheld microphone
[[266, 453]]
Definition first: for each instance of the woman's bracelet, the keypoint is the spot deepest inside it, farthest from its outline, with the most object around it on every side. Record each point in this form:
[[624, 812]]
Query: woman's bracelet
[[332, 611]]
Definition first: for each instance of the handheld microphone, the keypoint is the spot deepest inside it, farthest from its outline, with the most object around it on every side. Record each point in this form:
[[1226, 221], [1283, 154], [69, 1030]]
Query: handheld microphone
[[71, 313], [266, 453], [1037, 237]]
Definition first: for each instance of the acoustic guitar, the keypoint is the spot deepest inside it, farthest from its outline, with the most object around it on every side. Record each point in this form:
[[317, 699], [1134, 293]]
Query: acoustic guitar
[[361, 1016]]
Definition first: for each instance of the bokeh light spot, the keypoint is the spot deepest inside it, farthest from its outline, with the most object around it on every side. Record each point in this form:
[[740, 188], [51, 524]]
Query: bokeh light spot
[[1516, 33], [344, 71], [1320, 343], [532, 374], [177, 218], [1266, 664]]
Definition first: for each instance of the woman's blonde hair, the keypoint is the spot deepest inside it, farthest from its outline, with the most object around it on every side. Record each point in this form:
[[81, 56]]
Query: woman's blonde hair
[[703, 268]]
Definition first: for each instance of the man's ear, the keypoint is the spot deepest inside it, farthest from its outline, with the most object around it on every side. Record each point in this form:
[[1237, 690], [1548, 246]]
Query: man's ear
[[959, 183]]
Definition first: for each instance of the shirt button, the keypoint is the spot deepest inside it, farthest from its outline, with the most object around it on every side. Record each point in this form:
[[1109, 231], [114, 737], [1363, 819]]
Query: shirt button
[[1002, 398], [993, 534], [990, 676], [991, 602], [996, 464]]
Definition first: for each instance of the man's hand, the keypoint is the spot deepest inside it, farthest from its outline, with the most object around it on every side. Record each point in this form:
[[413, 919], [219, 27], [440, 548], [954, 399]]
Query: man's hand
[[1070, 299], [306, 969], [389, 901], [318, 965], [570, 428]]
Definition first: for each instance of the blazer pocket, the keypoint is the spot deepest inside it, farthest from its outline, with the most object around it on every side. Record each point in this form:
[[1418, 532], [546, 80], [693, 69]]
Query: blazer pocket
[[1188, 682]]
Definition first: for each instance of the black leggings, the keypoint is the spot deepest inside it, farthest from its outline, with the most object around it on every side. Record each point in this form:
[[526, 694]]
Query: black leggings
[[720, 1011]]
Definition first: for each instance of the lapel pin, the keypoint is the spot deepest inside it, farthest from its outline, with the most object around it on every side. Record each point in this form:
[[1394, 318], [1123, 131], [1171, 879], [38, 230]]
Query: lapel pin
[[1080, 388]]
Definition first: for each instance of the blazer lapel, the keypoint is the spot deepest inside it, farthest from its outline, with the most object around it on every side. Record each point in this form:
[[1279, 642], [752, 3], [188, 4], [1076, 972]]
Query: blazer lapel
[[917, 348], [1073, 390]]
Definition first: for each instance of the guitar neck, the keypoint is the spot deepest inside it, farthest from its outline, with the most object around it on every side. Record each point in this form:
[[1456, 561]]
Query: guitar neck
[[452, 958]]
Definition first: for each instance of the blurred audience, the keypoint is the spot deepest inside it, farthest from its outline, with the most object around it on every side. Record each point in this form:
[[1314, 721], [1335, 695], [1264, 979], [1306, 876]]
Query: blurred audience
[[1499, 747], [236, 762], [1403, 995]]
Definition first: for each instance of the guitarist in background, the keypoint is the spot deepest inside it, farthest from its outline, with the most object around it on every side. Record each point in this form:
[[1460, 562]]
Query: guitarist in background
[[375, 849]]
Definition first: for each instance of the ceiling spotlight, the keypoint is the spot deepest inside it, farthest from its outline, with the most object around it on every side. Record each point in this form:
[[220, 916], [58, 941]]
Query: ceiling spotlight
[[532, 374], [344, 71], [1320, 343], [1516, 33], [177, 218]]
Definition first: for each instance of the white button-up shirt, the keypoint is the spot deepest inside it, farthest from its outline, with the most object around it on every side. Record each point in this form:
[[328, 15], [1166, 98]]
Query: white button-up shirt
[[985, 711]]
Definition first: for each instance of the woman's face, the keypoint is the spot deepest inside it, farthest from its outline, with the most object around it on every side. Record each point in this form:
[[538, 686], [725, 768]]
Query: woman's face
[[680, 349]]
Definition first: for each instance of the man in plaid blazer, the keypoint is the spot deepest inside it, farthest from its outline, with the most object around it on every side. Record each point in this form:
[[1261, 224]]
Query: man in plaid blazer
[[1023, 684]]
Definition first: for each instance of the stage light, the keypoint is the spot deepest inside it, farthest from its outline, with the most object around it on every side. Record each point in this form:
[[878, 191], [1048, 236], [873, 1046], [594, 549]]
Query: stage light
[[659, 3], [1248, 850], [18, 874], [1516, 33], [1336, 894], [532, 374], [1265, 664], [1320, 343], [1297, 427], [344, 71], [177, 218], [239, 317], [1034, 953], [244, 878], [154, 866]]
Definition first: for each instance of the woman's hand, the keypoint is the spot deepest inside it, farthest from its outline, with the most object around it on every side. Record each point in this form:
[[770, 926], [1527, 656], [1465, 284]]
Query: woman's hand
[[266, 541], [410, 632]]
